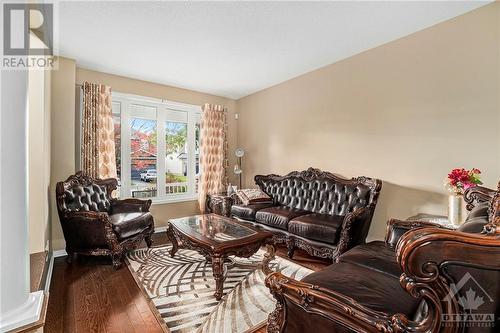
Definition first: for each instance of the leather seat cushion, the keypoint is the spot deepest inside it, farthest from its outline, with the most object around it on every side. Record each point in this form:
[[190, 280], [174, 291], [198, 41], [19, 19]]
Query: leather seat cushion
[[247, 212], [278, 217], [130, 224], [319, 227], [376, 256], [370, 288]]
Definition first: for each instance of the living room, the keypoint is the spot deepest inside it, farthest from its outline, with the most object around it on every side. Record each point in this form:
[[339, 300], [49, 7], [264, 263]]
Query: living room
[[326, 166]]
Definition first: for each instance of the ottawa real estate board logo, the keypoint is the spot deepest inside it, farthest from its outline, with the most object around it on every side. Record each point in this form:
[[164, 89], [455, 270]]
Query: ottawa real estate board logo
[[28, 35], [476, 302]]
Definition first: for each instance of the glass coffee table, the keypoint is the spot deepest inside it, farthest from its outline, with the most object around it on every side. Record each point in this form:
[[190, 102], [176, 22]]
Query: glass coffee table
[[217, 237]]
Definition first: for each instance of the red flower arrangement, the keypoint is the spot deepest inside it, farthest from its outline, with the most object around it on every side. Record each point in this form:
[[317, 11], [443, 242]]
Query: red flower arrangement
[[459, 180]]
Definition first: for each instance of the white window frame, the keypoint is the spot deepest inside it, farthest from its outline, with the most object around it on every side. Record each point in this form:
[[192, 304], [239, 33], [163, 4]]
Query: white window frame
[[165, 111]]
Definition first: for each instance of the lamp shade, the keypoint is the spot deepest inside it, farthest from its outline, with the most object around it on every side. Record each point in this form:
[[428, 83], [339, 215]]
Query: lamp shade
[[239, 152]]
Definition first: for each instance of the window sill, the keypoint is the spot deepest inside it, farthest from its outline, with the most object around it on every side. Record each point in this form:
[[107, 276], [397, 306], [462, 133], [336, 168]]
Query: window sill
[[174, 199]]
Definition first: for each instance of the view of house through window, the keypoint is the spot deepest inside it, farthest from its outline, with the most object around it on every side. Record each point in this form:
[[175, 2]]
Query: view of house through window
[[143, 152], [144, 161], [177, 157]]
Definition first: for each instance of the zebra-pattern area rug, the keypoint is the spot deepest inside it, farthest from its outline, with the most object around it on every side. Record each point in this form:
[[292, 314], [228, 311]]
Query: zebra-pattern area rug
[[181, 289]]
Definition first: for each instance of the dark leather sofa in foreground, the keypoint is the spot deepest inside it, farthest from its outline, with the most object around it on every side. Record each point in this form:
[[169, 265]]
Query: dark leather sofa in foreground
[[423, 278], [316, 211]]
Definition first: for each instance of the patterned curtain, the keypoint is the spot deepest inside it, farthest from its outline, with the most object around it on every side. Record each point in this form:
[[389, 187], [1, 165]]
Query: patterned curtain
[[98, 142], [213, 157]]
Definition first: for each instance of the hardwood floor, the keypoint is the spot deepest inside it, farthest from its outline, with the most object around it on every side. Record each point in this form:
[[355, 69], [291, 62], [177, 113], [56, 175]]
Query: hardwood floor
[[90, 296]]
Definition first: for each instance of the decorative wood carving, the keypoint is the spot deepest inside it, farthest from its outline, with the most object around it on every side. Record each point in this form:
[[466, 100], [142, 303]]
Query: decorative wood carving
[[477, 194], [311, 174], [493, 228], [346, 236]]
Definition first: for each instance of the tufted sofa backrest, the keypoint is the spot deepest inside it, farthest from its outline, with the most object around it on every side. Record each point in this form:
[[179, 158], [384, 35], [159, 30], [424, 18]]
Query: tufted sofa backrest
[[82, 193], [320, 192], [84, 198]]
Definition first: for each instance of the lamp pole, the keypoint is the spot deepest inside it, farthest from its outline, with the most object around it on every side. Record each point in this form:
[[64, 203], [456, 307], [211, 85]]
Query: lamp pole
[[239, 162]]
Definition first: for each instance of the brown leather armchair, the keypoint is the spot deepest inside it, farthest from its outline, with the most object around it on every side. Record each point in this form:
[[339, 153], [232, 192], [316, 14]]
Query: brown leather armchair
[[423, 278], [94, 223]]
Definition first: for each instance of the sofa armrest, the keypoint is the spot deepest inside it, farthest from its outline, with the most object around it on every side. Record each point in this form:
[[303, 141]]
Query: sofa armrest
[[318, 309], [477, 194], [130, 205], [354, 228], [85, 217], [397, 228], [436, 263], [87, 229]]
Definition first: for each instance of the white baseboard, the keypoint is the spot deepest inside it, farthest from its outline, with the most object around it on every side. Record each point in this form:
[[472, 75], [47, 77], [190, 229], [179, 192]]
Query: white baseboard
[[27, 313], [160, 229], [62, 253], [59, 253]]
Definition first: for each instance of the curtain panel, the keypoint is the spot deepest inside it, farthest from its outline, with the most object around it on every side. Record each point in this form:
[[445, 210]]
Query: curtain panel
[[213, 152], [98, 142]]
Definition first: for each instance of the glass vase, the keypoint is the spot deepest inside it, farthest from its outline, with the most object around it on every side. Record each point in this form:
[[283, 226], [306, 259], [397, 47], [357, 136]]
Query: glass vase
[[455, 203]]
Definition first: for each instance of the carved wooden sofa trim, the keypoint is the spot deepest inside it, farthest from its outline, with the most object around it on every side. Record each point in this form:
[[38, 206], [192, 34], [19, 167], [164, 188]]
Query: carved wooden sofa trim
[[426, 255]]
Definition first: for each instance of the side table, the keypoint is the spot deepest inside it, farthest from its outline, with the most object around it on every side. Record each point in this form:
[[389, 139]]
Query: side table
[[220, 203]]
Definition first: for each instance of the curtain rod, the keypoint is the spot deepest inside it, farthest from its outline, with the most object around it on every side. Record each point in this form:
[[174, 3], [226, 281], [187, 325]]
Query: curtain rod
[[81, 85]]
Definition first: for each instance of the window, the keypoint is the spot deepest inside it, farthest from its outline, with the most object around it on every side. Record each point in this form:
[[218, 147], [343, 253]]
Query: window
[[117, 127], [157, 151], [177, 158]]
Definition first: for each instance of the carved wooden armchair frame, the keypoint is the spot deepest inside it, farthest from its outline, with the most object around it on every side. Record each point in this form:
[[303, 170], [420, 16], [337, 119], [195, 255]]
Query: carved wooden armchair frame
[[98, 223], [424, 253]]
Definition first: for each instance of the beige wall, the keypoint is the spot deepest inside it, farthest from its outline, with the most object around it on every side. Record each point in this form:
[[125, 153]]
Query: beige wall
[[39, 159], [66, 81], [63, 136], [400, 112], [406, 112]]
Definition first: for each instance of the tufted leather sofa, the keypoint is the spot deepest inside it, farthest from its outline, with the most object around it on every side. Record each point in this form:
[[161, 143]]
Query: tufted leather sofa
[[94, 223], [411, 282], [314, 210]]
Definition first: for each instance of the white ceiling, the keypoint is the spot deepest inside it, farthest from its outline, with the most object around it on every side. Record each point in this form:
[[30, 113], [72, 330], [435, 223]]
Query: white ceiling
[[233, 49]]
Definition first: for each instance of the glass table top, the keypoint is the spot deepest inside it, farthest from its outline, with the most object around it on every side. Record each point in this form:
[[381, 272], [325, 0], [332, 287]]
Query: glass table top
[[214, 227]]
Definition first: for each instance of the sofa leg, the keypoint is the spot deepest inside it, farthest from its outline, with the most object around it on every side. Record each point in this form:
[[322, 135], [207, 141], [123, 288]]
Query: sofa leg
[[149, 240], [69, 257], [117, 261]]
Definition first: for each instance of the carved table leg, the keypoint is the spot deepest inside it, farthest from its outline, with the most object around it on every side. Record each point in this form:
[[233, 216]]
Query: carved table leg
[[171, 237], [218, 271], [268, 256]]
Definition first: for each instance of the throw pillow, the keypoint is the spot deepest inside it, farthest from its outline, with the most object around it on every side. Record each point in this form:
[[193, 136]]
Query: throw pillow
[[251, 196]]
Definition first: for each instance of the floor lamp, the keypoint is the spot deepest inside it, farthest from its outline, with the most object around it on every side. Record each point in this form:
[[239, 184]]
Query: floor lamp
[[239, 152]]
